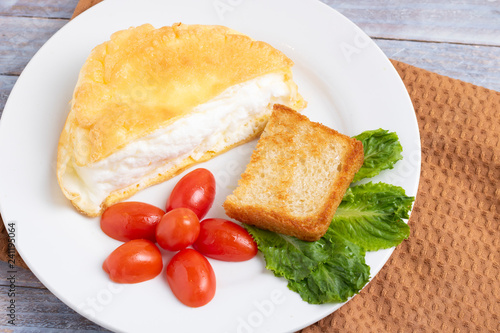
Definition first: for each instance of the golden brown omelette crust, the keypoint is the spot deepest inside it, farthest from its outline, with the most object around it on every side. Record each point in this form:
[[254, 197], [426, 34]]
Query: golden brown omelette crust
[[144, 78]]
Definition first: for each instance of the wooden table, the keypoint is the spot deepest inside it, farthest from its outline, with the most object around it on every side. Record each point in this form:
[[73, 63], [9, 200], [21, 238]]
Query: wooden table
[[457, 39]]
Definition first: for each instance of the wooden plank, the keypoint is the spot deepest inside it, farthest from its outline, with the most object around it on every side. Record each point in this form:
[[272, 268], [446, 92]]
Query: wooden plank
[[24, 329], [479, 65], [6, 85], [474, 22], [38, 8], [466, 22], [39, 308], [23, 277], [21, 37]]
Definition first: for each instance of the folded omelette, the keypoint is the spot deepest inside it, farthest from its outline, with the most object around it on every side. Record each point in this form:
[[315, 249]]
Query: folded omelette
[[150, 103]]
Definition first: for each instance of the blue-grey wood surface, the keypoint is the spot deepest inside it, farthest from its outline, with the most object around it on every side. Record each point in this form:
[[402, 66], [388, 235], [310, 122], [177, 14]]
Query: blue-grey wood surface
[[460, 39]]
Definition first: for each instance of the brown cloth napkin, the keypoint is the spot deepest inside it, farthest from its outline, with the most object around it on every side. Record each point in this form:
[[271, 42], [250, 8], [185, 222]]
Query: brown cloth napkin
[[445, 277]]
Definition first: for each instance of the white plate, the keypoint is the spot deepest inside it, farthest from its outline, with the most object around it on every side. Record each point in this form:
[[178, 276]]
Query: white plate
[[349, 83]]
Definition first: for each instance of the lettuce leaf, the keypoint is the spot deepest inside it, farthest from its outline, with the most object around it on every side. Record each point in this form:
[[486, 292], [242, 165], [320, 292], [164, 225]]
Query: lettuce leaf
[[288, 256], [382, 150], [371, 216], [344, 274], [331, 269]]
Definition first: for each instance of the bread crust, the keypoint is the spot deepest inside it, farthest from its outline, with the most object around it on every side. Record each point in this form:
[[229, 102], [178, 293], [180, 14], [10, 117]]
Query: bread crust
[[296, 137]]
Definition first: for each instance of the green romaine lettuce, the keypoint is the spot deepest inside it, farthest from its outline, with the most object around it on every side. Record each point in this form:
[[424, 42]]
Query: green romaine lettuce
[[288, 256], [331, 269], [344, 274], [382, 150], [371, 216]]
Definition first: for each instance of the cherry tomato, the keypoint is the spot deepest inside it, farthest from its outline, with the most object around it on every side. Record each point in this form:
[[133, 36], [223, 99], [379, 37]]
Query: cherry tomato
[[135, 261], [225, 240], [125, 221], [177, 229], [196, 191], [191, 278]]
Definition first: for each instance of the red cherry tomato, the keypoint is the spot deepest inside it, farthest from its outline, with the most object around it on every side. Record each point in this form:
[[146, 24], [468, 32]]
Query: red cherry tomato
[[131, 220], [177, 229], [225, 240], [196, 191], [191, 278], [135, 261]]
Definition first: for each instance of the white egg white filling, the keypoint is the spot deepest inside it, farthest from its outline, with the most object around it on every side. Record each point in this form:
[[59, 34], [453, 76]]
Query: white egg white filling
[[212, 126]]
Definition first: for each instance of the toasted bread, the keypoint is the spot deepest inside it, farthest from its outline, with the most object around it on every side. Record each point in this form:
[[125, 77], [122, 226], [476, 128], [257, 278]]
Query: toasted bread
[[297, 176]]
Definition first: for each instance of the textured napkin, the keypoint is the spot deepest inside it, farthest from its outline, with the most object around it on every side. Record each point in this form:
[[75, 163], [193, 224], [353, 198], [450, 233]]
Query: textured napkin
[[445, 277]]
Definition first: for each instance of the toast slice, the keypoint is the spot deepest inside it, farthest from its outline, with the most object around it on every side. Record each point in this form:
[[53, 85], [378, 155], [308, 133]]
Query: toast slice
[[297, 176]]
